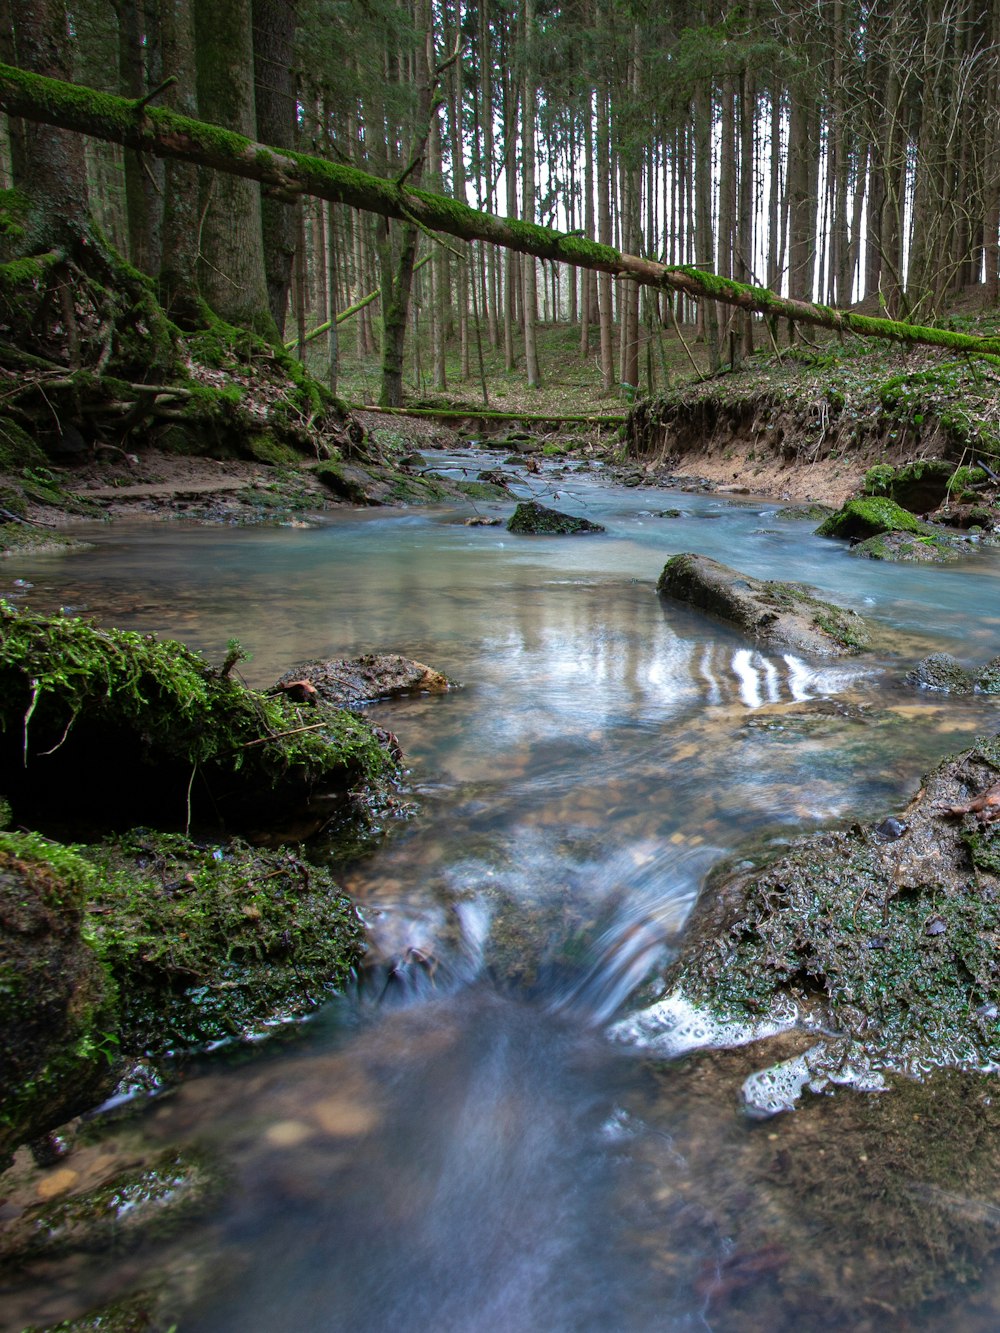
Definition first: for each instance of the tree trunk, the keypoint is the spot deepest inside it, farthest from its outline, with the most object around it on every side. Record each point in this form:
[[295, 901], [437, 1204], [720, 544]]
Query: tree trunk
[[275, 106], [528, 197], [52, 171], [178, 283], [231, 271], [143, 189]]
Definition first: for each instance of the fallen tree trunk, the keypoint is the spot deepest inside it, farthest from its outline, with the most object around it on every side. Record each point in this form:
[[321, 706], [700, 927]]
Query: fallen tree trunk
[[287, 175]]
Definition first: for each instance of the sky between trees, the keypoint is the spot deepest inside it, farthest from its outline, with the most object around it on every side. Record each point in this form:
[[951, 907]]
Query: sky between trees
[[831, 150]]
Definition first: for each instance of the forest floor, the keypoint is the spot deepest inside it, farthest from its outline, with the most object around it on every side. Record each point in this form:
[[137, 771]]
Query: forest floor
[[799, 425]]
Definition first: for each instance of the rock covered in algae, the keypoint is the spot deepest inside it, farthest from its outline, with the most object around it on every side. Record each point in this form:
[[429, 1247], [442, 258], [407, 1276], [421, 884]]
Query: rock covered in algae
[[56, 999], [888, 934], [533, 518], [869, 516], [787, 615]]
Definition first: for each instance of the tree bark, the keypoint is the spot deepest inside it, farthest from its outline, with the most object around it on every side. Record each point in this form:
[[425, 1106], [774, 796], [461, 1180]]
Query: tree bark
[[49, 166], [275, 106], [166, 134], [178, 283]]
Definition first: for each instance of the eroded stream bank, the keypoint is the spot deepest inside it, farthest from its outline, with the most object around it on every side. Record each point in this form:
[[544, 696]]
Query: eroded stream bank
[[461, 1141]]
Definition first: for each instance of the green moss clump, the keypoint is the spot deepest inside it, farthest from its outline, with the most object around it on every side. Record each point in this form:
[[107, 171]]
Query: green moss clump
[[266, 449], [93, 716], [868, 517], [210, 942], [17, 449], [57, 1002], [878, 479]]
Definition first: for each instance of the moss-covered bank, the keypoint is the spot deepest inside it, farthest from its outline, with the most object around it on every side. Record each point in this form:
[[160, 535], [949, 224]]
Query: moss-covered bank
[[112, 727]]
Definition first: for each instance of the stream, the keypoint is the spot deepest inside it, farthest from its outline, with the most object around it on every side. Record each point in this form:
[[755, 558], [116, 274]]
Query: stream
[[466, 1143]]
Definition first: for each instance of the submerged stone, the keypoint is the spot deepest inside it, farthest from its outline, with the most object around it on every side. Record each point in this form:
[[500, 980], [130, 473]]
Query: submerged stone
[[360, 680], [787, 615], [533, 518]]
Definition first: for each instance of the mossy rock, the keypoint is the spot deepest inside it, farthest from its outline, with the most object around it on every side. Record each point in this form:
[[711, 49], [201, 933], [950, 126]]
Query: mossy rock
[[814, 513], [112, 727], [208, 942], [482, 490], [346, 482], [867, 517], [17, 448], [58, 1045], [907, 548], [988, 679], [942, 672], [536, 519], [887, 934], [924, 484], [786, 615]]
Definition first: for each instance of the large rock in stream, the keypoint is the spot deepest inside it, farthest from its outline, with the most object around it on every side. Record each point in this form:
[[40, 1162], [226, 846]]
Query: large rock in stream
[[882, 938], [533, 518], [784, 615]]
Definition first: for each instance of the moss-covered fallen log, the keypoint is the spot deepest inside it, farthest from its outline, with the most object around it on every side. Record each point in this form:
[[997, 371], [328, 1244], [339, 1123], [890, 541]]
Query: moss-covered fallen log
[[289, 175], [115, 728], [474, 414]]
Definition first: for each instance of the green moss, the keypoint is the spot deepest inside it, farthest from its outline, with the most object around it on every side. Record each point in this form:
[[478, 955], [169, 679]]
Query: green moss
[[867, 517], [266, 449], [14, 208], [206, 942], [878, 479], [162, 712]]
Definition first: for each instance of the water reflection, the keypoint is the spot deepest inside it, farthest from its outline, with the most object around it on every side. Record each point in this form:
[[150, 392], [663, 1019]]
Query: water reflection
[[459, 1145]]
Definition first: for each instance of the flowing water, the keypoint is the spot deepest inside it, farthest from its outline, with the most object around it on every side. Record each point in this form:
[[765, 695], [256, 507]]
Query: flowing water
[[463, 1144]]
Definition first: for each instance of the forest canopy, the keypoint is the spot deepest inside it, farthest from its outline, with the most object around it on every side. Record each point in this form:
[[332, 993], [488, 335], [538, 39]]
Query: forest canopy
[[837, 154]]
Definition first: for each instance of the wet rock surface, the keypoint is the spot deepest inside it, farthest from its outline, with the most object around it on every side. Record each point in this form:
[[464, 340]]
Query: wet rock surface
[[360, 680], [786, 615], [56, 1000], [536, 519], [885, 935]]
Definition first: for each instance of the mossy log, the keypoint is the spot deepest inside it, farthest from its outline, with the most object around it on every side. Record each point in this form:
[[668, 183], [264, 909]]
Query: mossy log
[[289, 175]]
